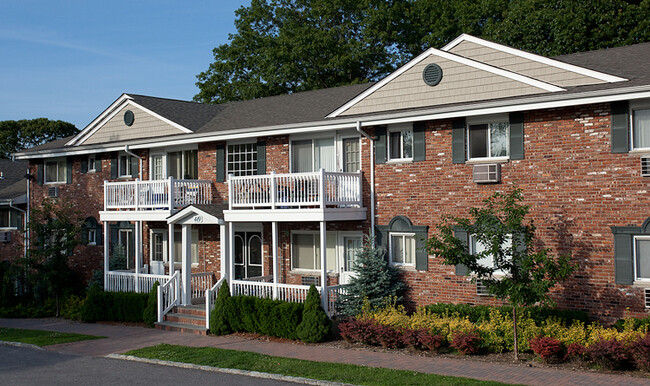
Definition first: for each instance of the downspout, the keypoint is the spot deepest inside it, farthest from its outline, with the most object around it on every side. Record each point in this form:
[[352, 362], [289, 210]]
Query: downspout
[[27, 241], [129, 152], [372, 180]]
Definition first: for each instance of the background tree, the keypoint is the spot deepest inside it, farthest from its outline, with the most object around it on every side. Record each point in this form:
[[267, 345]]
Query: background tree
[[520, 273], [18, 135], [284, 46], [55, 230]]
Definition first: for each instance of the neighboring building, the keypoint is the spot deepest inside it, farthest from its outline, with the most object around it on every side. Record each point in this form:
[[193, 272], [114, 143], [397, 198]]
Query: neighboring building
[[13, 208], [277, 193]]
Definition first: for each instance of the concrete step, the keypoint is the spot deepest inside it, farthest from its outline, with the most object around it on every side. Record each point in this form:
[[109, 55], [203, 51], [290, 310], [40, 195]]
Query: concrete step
[[181, 327], [196, 310], [194, 320]]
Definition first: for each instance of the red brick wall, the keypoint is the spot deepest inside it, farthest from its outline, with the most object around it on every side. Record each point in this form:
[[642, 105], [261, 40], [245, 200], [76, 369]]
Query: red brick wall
[[14, 249]]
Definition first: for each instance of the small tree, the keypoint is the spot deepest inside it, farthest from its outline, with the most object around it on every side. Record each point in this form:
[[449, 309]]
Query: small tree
[[315, 325], [519, 273], [55, 229], [374, 281], [219, 318]]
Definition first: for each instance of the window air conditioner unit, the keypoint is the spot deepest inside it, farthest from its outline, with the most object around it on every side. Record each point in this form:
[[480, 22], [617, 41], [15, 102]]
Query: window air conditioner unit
[[647, 298], [309, 280], [53, 192], [645, 166], [487, 173], [5, 237], [481, 290]]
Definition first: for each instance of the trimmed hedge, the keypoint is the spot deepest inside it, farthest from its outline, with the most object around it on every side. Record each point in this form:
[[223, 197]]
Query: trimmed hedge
[[482, 313], [113, 306]]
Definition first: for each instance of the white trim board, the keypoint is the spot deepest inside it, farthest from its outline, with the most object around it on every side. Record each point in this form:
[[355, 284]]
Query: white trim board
[[455, 58], [534, 57], [194, 211]]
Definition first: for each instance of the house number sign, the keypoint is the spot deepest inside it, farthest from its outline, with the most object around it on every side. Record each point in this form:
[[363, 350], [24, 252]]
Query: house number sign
[[198, 219]]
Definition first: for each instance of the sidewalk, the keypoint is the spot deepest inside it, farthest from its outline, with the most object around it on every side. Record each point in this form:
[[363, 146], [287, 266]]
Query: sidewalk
[[122, 338]]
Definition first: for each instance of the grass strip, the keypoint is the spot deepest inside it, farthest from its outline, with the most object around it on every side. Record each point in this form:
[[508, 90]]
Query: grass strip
[[41, 337], [335, 372]]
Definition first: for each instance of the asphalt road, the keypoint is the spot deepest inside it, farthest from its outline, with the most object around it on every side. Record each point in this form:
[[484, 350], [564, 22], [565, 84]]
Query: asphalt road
[[28, 366]]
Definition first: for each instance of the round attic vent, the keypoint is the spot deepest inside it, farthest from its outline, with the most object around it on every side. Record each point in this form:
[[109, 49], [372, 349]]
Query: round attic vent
[[128, 117], [432, 74]]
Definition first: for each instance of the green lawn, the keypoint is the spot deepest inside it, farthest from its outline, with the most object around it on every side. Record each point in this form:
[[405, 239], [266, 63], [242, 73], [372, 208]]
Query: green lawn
[[40, 337], [336, 372]]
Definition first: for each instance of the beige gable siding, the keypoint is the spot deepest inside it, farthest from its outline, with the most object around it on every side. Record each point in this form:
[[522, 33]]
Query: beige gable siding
[[144, 125], [523, 66], [460, 83]]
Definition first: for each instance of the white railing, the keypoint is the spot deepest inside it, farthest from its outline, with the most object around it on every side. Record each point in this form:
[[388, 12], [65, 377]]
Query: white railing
[[210, 299], [169, 295], [157, 194], [200, 282], [126, 281], [252, 288], [334, 293], [283, 191]]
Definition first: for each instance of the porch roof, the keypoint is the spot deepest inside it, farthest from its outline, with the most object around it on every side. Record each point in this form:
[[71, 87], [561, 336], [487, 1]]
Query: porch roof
[[198, 214]]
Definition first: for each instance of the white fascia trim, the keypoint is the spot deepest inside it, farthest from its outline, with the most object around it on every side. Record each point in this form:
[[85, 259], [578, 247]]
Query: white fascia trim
[[534, 57], [99, 119], [458, 59], [119, 108], [193, 211]]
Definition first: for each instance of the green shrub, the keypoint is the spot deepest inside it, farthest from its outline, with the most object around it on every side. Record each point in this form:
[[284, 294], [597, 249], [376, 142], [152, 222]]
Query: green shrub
[[315, 325], [481, 313], [113, 306], [71, 308], [94, 308], [150, 313], [218, 318]]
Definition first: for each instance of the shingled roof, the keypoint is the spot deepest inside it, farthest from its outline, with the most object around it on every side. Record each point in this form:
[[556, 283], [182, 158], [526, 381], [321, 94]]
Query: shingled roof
[[12, 182]]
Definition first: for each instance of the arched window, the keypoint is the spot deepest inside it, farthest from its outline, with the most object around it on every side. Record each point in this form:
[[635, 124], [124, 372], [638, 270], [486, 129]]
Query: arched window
[[404, 243], [91, 232]]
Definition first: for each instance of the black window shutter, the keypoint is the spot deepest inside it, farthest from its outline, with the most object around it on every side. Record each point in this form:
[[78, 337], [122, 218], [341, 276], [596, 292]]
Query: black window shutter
[[458, 141], [380, 145], [461, 234], [620, 128], [421, 254], [39, 173], [114, 166], [261, 157], [381, 239], [98, 163], [517, 135], [419, 142], [221, 163], [623, 259], [68, 171], [99, 234], [84, 234], [135, 167], [113, 239], [84, 165]]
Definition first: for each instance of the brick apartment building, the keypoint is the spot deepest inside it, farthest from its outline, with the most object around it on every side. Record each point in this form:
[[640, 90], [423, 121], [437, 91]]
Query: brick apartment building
[[277, 193]]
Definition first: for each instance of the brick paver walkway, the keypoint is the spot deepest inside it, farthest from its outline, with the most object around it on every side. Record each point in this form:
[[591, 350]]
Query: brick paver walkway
[[122, 338]]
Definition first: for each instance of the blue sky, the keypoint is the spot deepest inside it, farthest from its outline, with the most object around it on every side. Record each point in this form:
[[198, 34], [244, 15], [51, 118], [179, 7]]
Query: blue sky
[[69, 60]]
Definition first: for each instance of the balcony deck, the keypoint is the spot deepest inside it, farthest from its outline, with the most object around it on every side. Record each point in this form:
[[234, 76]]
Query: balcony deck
[[319, 196]]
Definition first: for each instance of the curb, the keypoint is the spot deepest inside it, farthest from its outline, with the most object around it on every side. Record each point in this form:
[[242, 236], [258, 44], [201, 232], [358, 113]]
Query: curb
[[255, 374], [18, 344]]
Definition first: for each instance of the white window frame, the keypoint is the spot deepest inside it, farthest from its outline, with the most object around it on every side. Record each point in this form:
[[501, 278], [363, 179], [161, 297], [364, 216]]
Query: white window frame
[[121, 173], [316, 256], [164, 153], [61, 171], [404, 236], [633, 107], [472, 241], [487, 120], [313, 147], [341, 151], [253, 154], [635, 259], [399, 128], [91, 163], [178, 238], [92, 236], [12, 213], [340, 246]]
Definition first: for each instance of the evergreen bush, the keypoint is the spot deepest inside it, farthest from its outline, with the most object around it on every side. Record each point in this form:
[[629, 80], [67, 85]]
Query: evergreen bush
[[150, 313], [113, 306], [218, 318], [94, 307], [315, 325]]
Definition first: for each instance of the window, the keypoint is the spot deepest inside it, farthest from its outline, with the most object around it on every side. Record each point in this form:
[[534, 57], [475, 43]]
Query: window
[[489, 140], [157, 167], [10, 218], [402, 248], [312, 155], [351, 246], [641, 129], [476, 247], [124, 166], [182, 165], [55, 171], [91, 163], [158, 245], [178, 246], [400, 144], [305, 250], [241, 159], [351, 155], [642, 257]]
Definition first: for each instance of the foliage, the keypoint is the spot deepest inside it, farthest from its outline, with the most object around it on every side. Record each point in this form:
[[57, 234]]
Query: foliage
[[150, 313], [548, 348], [10, 275], [640, 350], [374, 282], [113, 306], [575, 351], [97, 278], [466, 342], [610, 354], [56, 228], [72, 306], [315, 325], [479, 313], [24, 134], [28, 311], [118, 258], [218, 318], [286, 46], [40, 337]]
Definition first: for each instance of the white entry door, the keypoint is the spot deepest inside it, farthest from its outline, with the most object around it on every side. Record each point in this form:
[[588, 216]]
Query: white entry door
[[158, 251], [350, 245]]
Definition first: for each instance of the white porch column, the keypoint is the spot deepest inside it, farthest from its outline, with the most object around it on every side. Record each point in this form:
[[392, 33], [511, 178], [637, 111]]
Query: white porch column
[[170, 246], [323, 264], [223, 250], [186, 270], [231, 254], [106, 255], [138, 253], [274, 236]]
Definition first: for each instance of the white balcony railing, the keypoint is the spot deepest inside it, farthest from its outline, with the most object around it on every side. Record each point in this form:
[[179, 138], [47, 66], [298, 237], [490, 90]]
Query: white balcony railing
[[157, 194], [283, 191]]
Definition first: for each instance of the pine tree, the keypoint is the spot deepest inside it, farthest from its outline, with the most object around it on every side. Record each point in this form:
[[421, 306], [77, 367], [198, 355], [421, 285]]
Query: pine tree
[[374, 281], [315, 325], [218, 318]]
